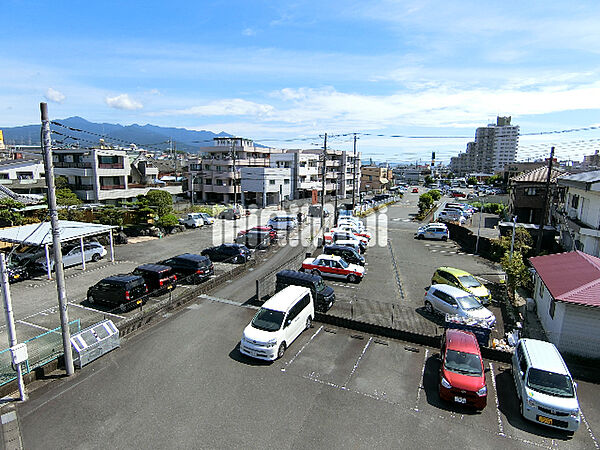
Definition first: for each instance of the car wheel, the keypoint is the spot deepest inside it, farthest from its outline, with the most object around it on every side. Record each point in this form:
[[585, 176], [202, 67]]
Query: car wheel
[[445, 238], [352, 278], [421, 237], [281, 351], [91, 300], [315, 272], [96, 257], [308, 322], [429, 307]]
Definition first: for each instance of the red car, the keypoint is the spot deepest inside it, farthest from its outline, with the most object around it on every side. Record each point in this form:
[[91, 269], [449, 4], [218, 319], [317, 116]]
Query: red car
[[415, 190], [272, 232], [458, 194], [462, 376]]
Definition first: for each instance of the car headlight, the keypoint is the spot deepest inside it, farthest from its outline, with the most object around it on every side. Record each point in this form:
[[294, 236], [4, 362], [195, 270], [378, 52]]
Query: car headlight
[[575, 413], [271, 343], [530, 402], [446, 384], [483, 391]]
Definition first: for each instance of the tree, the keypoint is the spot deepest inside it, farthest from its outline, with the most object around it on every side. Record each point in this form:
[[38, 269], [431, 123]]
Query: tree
[[428, 179], [425, 202], [435, 194], [516, 271], [66, 197], [472, 181], [168, 220], [8, 214], [496, 180], [162, 201], [109, 215]]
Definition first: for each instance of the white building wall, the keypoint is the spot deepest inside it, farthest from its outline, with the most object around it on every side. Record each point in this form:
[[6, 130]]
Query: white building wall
[[36, 169], [581, 331], [543, 299]]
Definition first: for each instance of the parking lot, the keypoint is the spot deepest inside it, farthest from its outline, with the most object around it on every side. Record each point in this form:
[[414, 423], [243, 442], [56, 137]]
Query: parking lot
[[333, 388]]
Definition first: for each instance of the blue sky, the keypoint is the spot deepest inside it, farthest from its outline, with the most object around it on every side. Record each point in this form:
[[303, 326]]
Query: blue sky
[[293, 70]]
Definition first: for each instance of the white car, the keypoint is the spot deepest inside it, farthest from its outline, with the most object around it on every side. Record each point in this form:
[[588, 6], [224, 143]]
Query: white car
[[193, 220], [433, 231], [278, 323], [93, 251], [333, 266], [352, 229]]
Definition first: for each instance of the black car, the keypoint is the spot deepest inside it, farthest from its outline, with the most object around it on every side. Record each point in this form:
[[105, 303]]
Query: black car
[[231, 253], [323, 295], [16, 271], [125, 291], [158, 278], [191, 266], [348, 254], [255, 239]]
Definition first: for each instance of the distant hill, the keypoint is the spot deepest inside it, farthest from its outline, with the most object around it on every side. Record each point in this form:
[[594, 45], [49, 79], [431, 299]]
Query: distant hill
[[149, 136]]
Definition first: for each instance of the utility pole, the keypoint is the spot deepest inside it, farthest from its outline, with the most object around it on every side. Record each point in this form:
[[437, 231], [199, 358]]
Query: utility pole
[[538, 247], [234, 175], [58, 266], [10, 323], [478, 230], [323, 171], [355, 176]]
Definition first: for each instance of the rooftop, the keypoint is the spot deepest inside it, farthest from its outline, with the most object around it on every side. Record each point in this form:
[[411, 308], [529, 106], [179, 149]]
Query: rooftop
[[571, 277], [539, 175]]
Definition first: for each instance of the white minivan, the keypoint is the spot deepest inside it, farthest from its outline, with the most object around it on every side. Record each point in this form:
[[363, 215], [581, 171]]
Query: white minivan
[[283, 222], [546, 391], [278, 323]]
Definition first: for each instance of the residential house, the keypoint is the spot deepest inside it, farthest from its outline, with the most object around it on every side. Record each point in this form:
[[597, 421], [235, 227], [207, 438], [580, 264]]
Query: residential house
[[24, 176], [374, 178], [578, 215], [527, 194], [567, 299]]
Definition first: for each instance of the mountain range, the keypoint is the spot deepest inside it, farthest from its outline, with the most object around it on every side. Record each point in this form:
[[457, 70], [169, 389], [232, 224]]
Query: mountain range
[[76, 129]]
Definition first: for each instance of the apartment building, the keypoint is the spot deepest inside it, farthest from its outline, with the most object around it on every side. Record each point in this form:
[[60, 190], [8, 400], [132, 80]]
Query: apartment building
[[342, 172], [374, 178], [102, 175], [493, 148], [264, 186], [305, 171]]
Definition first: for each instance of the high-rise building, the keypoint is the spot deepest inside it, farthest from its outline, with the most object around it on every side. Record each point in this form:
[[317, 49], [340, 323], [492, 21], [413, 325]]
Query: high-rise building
[[493, 148]]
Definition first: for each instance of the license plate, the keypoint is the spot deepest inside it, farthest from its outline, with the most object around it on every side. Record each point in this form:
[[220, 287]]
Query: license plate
[[546, 420], [460, 400]]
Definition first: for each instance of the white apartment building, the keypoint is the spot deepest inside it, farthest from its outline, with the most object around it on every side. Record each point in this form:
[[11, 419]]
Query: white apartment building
[[101, 175], [305, 174], [264, 186], [342, 172], [493, 148]]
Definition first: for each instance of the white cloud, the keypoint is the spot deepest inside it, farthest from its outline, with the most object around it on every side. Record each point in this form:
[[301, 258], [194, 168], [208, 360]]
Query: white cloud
[[226, 107], [249, 32], [123, 101], [53, 95]]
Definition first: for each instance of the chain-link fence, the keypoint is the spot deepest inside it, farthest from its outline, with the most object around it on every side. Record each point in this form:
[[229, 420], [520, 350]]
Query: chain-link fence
[[41, 350]]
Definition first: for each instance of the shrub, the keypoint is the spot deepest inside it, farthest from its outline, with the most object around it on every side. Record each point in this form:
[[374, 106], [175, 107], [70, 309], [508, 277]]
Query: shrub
[[425, 202], [168, 220]]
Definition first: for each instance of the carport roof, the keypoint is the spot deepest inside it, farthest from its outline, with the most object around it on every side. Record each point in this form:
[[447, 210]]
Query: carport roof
[[41, 233]]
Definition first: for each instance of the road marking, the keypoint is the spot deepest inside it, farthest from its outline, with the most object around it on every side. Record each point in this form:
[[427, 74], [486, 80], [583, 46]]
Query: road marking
[[33, 325], [357, 363], [500, 426], [421, 387], [589, 429], [303, 347], [96, 310], [226, 301]]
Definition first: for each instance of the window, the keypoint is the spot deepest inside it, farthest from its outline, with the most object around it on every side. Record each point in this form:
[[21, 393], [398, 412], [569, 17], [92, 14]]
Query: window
[[530, 191], [575, 201], [552, 308], [541, 289], [208, 181], [271, 182], [286, 181]]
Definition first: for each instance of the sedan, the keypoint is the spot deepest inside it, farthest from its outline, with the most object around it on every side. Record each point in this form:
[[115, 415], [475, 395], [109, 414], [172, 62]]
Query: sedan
[[333, 266], [231, 253]]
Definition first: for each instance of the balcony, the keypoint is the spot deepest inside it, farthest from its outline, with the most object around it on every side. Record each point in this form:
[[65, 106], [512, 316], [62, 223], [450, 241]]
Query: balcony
[[83, 187], [110, 187], [110, 166], [73, 165]]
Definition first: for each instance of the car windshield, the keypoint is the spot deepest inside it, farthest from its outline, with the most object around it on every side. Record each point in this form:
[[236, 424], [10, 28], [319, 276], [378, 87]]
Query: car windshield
[[268, 320], [469, 281], [469, 302], [464, 363], [320, 286], [550, 383]]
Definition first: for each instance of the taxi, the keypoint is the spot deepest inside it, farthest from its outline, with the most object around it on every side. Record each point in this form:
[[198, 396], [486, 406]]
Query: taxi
[[334, 267]]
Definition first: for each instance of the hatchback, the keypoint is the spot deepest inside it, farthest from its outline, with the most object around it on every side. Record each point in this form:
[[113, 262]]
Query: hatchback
[[93, 251], [446, 299], [462, 280], [231, 253], [462, 375], [433, 231]]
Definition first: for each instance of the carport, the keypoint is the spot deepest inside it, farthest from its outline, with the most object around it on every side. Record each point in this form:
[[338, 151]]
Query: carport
[[40, 235]]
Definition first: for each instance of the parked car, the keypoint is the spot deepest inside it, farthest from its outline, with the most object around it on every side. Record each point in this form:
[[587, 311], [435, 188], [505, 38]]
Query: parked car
[[462, 280], [333, 266], [254, 239], [458, 194], [450, 215], [125, 291], [433, 231], [271, 231], [348, 254], [337, 235], [278, 323], [193, 220], [315, 211], [415, 190], [446, 299], [158, 278], [190, 266], [462, 375], [284, 222], [352, 229], [93, 251], [323, 295], [16, 271], [208, 219], [231, 253], [545, 389], [230, 214]]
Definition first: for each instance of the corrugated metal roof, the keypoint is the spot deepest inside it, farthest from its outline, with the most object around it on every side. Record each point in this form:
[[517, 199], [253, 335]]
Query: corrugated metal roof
[[572, 277], [583, 177], [538, 175], [41, 233]]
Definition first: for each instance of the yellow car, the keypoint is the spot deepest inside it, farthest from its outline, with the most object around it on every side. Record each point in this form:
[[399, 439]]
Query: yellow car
[[462, 280]]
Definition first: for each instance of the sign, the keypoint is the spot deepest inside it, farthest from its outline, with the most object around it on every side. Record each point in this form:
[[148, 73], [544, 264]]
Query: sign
[[1, 141], [315, 197]]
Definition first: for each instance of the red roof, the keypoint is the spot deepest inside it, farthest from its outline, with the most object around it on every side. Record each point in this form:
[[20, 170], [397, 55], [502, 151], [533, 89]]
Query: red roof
[[572, 277]]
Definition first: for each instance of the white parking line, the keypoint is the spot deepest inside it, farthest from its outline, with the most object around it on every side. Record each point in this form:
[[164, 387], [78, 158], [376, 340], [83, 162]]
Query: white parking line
[[33, 325], [357, 363], [500, 426], [96, 310], [303, 347], [421, 387], [589, 429]]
